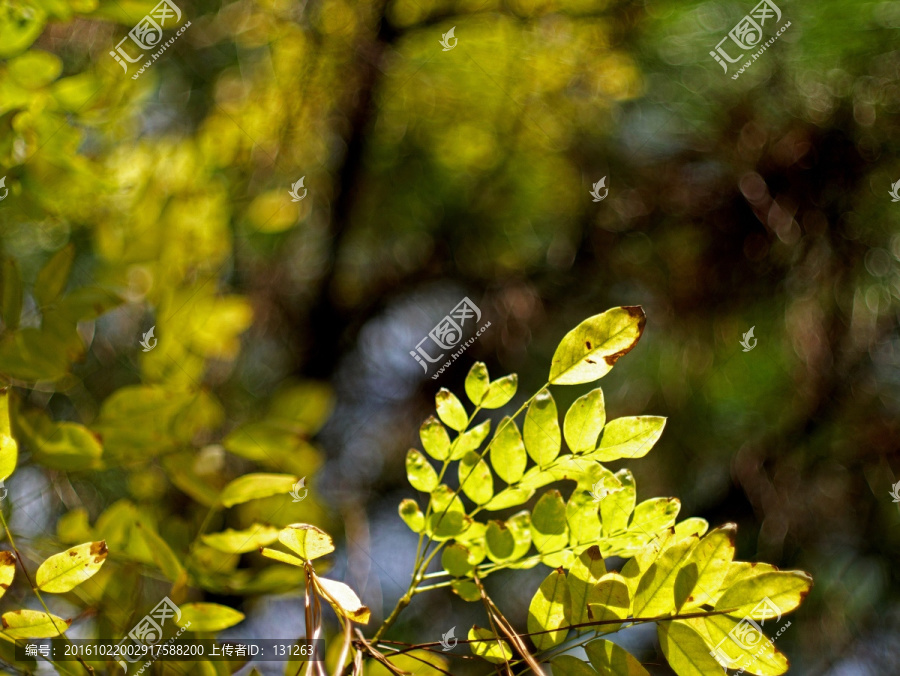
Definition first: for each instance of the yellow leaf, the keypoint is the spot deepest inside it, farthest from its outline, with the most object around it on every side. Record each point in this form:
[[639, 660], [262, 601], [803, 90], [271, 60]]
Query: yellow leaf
[[7, 570], [9, 449], [307, 541], [33, 624], [208, 617], [343, 599], [64, 571]]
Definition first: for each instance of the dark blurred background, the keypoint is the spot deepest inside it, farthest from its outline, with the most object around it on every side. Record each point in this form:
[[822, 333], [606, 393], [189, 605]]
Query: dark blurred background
[[761, 201]]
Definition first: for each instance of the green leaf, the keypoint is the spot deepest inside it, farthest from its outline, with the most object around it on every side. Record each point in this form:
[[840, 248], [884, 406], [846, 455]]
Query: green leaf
[[549, 610], [306, 541], [685, 649], [307, 404], [469, 441], [450, 410], [508, 452], [785, 590], [584, 421], [473, 539], [706, 568], [9, 449], [630, 437], [11, 296], [489, 647], [419, 472], [654, 515], [501, 391], [208, 617], [412, 516], [740, 570], [242, 541], [617, 506], [32, 355], [435, 439], [7, 570], [64, 571], [32, 624], [254, 486], [541, 430], [608, 658], [448, 518], [66, 446], [655, 595], [475, 479], [466, 590], [163, 556], [52, 278], [582, 518], [477, 383], [548, 522], [691, 526], [740, 644], [566, 665], [456, 560], [590, 350], [35, 69], [343, 599], [509, 497], [586, 572], [609, 600], [500, 541]]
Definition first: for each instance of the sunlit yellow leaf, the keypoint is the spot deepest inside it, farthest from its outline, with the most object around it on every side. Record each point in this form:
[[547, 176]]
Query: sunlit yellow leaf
[[64, 571]]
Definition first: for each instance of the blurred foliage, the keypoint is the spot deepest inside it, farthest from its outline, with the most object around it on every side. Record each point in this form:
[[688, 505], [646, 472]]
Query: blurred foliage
[[163, 202]]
